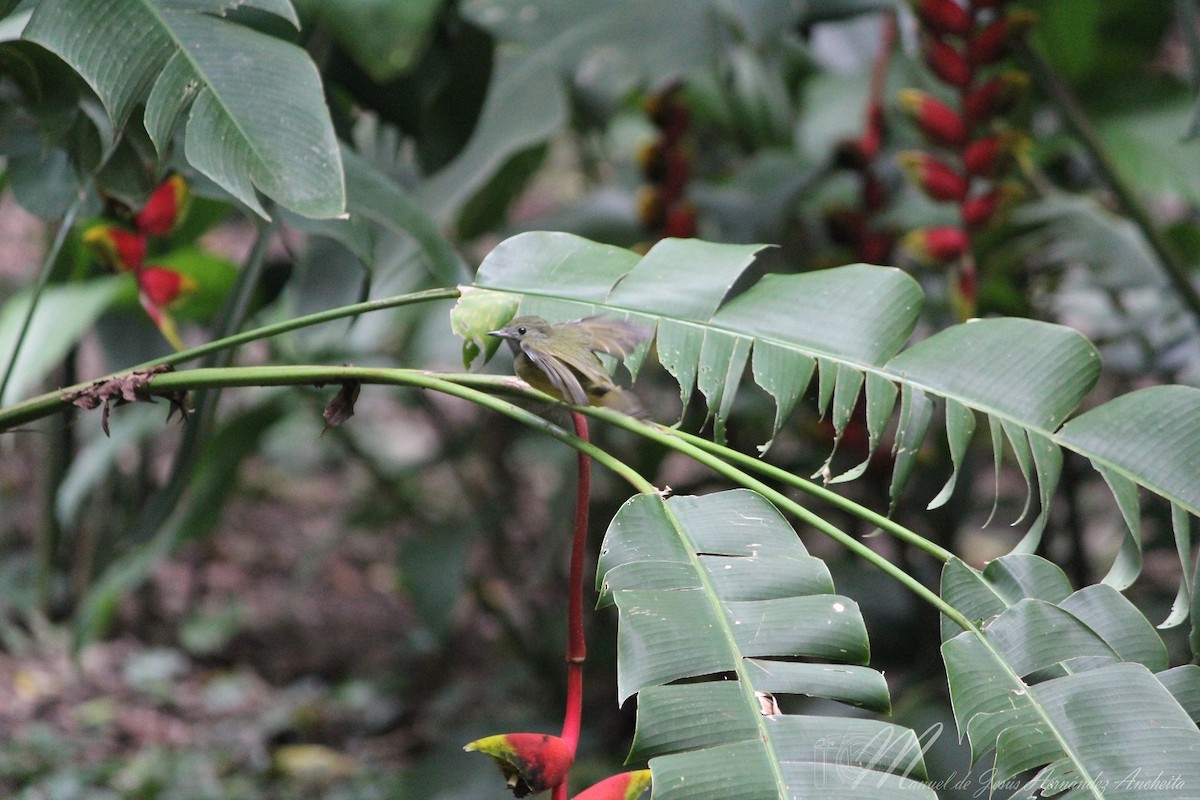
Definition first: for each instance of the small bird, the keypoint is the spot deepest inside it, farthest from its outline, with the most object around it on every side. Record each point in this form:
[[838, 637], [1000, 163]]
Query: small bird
[[560, 359]]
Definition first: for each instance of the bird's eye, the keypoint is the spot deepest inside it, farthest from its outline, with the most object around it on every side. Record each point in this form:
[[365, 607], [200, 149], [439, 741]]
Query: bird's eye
[[521, 331]]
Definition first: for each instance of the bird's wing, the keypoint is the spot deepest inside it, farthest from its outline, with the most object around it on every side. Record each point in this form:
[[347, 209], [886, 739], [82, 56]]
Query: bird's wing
[[560, 375], [613, 336]]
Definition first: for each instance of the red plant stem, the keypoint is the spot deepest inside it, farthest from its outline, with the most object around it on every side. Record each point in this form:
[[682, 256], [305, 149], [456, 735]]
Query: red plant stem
[[576, 644]]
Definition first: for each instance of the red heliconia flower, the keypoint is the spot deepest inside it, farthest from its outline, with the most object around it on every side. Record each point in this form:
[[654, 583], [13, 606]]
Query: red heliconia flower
[[996, 97], [934, 177], [116, 249], [947, 62], [625, 786], [160, 288], [944, 16], [681, 221], [992, 43], [163, 286], [166, 207], [991, 155], [935, 246], [985, 208], [941, 124], [530, 762]]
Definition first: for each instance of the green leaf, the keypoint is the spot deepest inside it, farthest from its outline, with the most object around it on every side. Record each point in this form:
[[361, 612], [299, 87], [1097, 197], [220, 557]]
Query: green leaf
[[385, 37], [64, 314], [256, 113], [372, 196], [1040, 680], [718, 586], [916, 411], [525, 106], [960, 425], [1026, 376], [1148, 438]]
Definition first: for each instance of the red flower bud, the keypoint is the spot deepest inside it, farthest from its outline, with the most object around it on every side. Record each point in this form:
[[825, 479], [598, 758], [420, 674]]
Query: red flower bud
[[162, 286], [166, 207], [116, 249], [996, 97], [986, 208], [992, 43], [991, 155], [940, 123], [625, 786], [681, 221], [530, 762], [936, 246], [944, 16], [947, 62], [932, 176]]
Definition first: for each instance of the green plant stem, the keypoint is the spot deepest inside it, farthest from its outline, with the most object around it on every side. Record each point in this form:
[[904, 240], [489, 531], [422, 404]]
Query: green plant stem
[[41, 405], [816, 490], [671, 438], [456, 385], [1050, 83]]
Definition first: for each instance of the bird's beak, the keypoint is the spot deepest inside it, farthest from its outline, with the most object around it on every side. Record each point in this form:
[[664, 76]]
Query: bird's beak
[[500, 334]]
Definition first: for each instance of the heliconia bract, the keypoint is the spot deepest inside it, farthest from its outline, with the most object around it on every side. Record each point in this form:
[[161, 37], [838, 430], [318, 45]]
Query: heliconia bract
[[934, 177], [625, 786], [166, 207], [530, 762], [118, 250], [935, 246]]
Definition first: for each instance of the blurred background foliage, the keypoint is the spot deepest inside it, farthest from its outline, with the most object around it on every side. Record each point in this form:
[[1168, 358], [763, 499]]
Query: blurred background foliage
[[275, 609]]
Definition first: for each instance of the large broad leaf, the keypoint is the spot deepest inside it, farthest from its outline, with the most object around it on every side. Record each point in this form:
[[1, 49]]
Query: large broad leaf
[[1072, 685], [721, 610], [847, 326], [257, 119]]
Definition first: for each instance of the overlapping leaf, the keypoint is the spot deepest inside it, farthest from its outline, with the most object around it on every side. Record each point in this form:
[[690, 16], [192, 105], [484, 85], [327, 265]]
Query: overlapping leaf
[[256, 116], [719, 592], [848, 326], [1054, 680]]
